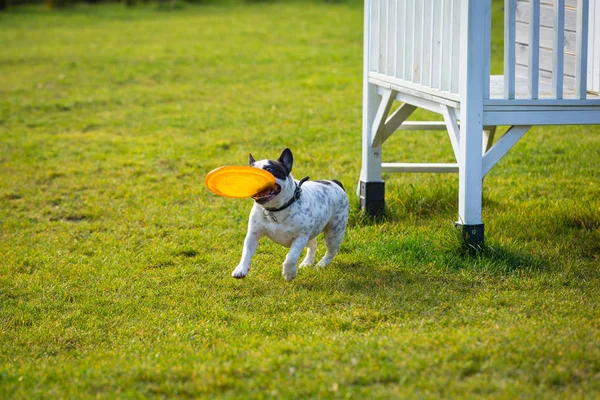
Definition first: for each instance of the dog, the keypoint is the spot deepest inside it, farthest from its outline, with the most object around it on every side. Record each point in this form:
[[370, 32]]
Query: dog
[[292, 214]]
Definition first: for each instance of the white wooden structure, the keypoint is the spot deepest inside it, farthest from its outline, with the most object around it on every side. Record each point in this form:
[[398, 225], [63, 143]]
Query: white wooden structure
[[435, 55]]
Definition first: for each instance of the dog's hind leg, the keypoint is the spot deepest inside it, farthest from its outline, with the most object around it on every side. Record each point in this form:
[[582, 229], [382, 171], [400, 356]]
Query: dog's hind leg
[[333, 235], [310, 253]]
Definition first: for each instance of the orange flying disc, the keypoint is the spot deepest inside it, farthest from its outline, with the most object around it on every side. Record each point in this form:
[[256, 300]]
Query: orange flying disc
[[238, 181]]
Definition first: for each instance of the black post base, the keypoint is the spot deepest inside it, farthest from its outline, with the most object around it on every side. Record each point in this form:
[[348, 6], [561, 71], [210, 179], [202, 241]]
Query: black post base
[[472, 235], [372, 198]]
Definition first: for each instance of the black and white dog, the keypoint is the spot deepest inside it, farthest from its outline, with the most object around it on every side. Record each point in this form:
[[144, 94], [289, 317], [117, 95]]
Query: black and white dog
[[292, 214]]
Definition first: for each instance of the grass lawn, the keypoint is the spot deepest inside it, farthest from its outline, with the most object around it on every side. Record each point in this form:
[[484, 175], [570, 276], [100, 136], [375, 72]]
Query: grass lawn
[[115, 259]]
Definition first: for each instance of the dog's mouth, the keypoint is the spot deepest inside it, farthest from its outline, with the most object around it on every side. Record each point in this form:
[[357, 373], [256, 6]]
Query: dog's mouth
[[267, 194]]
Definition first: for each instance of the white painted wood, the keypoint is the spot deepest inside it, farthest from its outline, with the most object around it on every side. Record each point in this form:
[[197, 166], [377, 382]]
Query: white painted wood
[[409, 39], [378, 126], [388, 80], [488, 138], [558, 52], [546, 16], [582, 48], [544, 116], [372, 13], [594, 49], [453, 129], [546, 60], [371, 156], [504, 144], [455, 52], [399, 71], [472, 80], [534, 48], [395, 120], [436, 51], [420, 167], [488, 44], [510, 10], [423, 126], [383, 44], [546, 37]]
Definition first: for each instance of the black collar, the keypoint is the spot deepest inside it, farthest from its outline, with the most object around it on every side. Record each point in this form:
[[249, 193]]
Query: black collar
[[295, 197]]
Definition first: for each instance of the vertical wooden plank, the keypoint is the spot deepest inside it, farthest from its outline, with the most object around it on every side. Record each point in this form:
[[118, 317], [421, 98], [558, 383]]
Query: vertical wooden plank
[[559, 49], [487, 58], [409, 39], [415, 75], [510, 12], [596, 52], [400, 26], [371, 157], [442, 43], [372, 9], [455, 54], [383, 36], [470, 160], [432, 41], [451, 44], [534, 48], [581, 49], [424, 73], [392, 39], [593, 79], [436, 50]]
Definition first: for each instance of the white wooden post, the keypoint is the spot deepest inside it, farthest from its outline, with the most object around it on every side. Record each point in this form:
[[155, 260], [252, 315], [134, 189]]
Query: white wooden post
[[475, 14], [371, 186]]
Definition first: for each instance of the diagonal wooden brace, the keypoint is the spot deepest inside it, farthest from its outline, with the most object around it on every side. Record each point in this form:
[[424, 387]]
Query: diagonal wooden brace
[[378, 126], [453, 129], [504, 144]]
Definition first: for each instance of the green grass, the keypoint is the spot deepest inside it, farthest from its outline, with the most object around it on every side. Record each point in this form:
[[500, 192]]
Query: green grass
[[115, 260]]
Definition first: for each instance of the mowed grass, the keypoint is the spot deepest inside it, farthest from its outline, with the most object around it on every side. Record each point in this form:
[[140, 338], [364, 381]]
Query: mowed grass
[[115, 260]]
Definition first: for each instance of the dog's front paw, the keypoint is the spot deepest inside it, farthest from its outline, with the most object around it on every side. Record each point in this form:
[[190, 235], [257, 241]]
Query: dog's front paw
[[289, 273], [240, 272]]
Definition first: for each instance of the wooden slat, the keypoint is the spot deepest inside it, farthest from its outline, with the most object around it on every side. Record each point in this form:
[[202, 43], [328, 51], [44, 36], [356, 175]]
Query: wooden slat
[[534, 48], [374, 35], [392, 39], [383, 110], [510, 9], [408, 39], [499, 150], [400, 59], [415, 75], [546, 37], [547, 16], [455, 53], [396, 120], [487, 55], [546, 60], [382, 36], [420, 167], [559, 54], [582, 49], [436, 52]]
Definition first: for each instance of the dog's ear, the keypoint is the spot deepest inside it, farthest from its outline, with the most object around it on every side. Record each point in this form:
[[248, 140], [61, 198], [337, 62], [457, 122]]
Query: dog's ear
[[251, 159], [287, 159]]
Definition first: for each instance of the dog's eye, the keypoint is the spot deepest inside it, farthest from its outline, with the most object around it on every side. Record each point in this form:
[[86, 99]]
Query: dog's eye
[[269, 169]]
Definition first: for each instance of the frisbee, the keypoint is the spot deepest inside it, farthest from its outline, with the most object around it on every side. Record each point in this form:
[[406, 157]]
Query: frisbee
[[238, 181]]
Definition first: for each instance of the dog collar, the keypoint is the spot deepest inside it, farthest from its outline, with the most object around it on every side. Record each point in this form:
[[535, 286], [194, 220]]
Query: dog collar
[[295, 197]]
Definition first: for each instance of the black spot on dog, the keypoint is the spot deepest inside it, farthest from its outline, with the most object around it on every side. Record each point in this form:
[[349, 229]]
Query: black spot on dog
[[338, 183], [324, 182], [277, 169]]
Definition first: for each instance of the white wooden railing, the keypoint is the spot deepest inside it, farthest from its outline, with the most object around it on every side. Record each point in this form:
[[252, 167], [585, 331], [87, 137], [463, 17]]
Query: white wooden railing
[[551, 48], [416, 42], [546, 41]]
